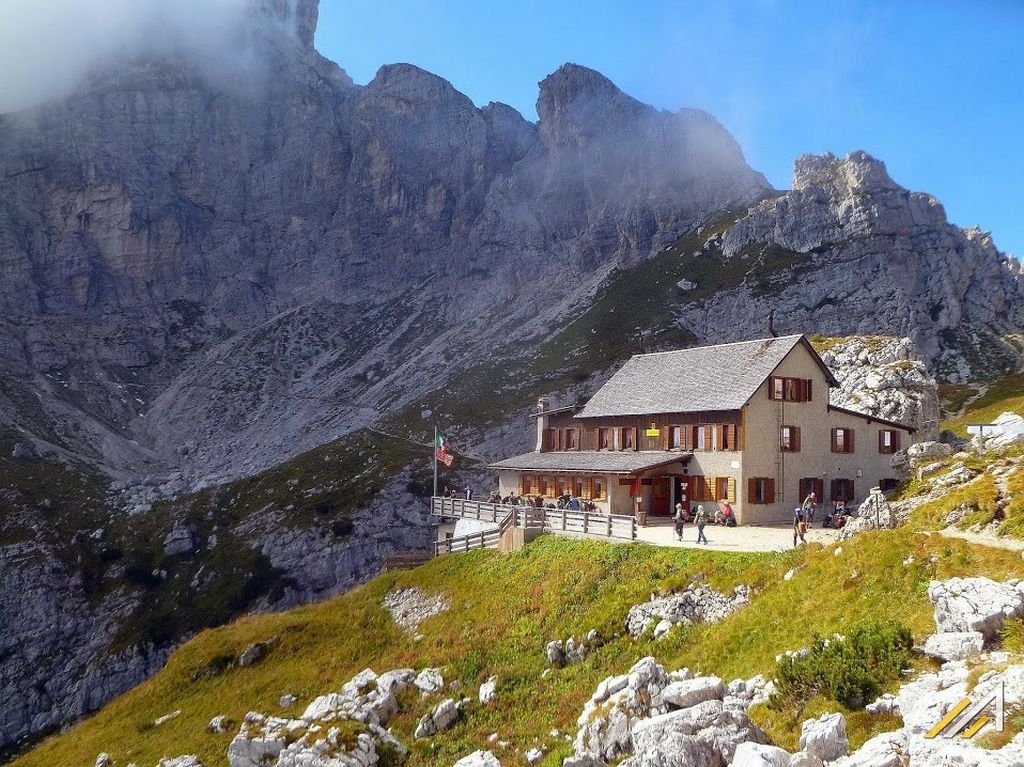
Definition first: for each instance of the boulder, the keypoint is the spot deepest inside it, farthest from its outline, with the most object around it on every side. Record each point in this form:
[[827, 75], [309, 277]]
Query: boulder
[[478, 759], [220, 723], [286, 701], [534, 755], [23, 451], [825, 737], [103, 759], [181, 540], [257, 651], [488, 691], [693, 691], [954, 645], [705, 734], [191, 760], [803, 759], [975, 604], [928, 451], [886, 703], [429, 680], [759, 755], [444, 715], [555, 652]]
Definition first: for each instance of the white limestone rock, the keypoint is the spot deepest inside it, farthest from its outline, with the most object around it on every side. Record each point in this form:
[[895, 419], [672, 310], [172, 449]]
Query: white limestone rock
[[220, 723], [443, 716], [703, 734], [693, 691], [103, 760], [825, 737], [410, 607], [887, 703], [954, 645], [697, 604], [751, 754], [190, 760], [478, 759], [606, 723], [928, 451], [975, 604], [488, 691], [534, 755], [429, 680], [886, 750]]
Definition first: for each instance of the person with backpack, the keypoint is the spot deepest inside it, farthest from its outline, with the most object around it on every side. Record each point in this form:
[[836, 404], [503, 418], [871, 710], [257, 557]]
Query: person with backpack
[[680, 519], [701, 518], [799, 526]]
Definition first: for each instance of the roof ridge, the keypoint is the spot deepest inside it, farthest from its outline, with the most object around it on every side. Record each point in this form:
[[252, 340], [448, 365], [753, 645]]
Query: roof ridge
[[717, 346]]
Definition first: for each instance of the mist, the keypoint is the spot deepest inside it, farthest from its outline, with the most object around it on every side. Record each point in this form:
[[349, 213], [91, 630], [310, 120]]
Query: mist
[[47, 47]]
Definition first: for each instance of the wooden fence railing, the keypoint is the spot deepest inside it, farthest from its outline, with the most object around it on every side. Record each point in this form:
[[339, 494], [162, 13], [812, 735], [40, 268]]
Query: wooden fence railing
[[487, 539], [619, 527]]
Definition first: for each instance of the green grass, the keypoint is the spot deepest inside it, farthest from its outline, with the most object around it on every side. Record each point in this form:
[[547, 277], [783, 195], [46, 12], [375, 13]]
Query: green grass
[[1004, 395], [504, 608]]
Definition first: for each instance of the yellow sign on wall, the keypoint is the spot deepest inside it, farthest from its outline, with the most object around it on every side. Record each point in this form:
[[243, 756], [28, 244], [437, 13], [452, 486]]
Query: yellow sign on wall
[[654, 431]]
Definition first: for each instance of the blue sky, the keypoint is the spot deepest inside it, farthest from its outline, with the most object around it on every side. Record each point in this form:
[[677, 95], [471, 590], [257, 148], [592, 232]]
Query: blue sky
[[935, 89]]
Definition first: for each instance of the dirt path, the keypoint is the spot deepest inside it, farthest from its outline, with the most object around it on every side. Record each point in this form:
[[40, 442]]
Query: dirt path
[[983, 539]]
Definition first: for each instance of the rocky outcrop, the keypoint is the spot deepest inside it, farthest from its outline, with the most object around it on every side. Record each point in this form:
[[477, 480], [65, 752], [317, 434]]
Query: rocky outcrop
[[410, 607], [975, 604], [849, 252], [883, 377], [697, 604]]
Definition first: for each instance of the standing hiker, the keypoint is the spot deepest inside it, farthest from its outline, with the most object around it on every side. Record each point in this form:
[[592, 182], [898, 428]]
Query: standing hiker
[[680, 518], [702, 519], [809, 506], [799, 526]]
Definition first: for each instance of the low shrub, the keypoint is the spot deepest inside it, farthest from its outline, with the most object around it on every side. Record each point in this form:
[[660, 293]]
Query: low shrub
[[849, 669]]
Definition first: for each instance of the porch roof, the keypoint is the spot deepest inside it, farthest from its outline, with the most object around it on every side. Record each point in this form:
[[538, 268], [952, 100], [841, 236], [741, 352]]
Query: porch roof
[[592, 461]]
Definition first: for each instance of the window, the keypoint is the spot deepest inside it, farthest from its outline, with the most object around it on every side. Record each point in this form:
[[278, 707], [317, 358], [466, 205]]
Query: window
[[700, 441], [888, 485], [599, 489], [789, 439], [722, 488], [628, 438], [790, 389], [572, 441], [675, 437], [729, 437], [761, 490], [888, 441], [604, 439], [842, 490], [842, 440]]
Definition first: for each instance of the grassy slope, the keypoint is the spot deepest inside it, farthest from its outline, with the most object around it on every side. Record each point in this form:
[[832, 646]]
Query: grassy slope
[[504, 608], [1006, 394]]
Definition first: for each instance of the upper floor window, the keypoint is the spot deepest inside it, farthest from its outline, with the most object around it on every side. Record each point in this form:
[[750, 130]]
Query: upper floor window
[[888, 441], [842, 440], [675, 436], [790, 389], [572, 441], [604, 439], [789, 439], [629, 438]]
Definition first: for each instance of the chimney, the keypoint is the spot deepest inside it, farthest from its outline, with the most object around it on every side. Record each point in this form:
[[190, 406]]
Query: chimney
[[543, 405]]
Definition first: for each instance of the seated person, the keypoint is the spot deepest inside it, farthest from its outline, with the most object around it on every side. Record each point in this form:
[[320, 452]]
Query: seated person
[[727, 515]]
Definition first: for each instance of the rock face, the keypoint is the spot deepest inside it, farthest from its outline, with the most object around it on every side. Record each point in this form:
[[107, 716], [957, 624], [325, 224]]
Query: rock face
[[883, 377], [975, 604], [853, 253]]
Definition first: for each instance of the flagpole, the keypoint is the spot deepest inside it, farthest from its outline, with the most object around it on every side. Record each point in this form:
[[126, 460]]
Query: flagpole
[[434, 449]]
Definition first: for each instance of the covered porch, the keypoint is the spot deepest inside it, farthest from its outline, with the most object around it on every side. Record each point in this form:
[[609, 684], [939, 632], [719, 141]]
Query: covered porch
[[614, 482]]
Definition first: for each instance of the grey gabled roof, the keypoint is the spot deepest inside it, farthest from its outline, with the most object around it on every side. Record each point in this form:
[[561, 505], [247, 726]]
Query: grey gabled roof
[[722, 377], [593, 461]]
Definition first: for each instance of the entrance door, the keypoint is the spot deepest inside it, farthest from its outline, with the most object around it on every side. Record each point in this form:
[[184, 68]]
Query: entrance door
[[661, 497], [812, 485], [684, 491]]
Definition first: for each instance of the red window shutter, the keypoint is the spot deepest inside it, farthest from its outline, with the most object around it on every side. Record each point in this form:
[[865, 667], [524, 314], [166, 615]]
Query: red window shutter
[[810, 383], [835, 444], [849, 440], [771, 387], [769, 493], [720, 436], [895, 440], [752, 491], [693, 436], [731, 436], [881, 442], [796, 439]]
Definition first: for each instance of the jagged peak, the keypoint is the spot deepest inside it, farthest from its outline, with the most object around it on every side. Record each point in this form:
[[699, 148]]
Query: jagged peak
[[571, 83], [857, 171], [412, 80], [298, 17]]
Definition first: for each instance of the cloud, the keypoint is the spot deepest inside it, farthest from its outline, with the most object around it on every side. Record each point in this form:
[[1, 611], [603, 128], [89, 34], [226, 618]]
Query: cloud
[[48, 46]]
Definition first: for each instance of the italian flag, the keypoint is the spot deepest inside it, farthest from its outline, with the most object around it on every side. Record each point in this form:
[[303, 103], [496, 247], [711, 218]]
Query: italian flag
[[441, 451]]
